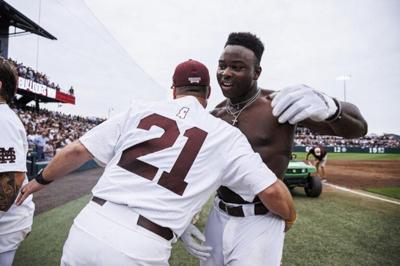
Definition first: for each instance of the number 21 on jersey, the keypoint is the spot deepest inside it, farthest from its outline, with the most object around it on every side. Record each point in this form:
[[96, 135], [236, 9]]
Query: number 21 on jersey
[[175, 179]]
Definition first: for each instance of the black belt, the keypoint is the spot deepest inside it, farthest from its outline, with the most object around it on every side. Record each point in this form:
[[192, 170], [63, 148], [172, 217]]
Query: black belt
[[237, 211], [164, 232]]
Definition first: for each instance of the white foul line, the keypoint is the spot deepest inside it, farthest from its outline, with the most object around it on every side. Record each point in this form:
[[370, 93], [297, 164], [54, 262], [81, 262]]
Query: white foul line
[[362, 194]]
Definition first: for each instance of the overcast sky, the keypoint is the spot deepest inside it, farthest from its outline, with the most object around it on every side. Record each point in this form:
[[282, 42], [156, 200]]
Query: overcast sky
[[115, 51]]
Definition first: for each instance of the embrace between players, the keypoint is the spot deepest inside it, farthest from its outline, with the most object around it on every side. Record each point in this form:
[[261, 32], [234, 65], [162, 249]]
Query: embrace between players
[[164, 159]]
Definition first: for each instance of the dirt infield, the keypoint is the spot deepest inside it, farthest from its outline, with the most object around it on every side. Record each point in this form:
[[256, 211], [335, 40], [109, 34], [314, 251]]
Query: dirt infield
[[351, 174], [363, 174]]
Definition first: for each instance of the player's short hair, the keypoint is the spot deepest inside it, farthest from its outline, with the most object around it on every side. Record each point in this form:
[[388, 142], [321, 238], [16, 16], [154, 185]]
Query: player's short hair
[[8, 78], [248, 40]]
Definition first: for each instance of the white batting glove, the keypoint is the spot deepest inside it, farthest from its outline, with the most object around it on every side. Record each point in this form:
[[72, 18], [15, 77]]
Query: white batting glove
[[297, 103], [198, 250]]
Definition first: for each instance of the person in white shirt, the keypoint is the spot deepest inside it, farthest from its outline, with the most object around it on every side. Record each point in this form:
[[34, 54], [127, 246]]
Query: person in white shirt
[[15, 222], [162, 161]]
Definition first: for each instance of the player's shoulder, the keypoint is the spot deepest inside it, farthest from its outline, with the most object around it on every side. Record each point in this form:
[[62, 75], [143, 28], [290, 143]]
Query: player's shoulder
[[219, 109], [138, 104], [140, 107], [7, 115], [221, 104], [266, 94]]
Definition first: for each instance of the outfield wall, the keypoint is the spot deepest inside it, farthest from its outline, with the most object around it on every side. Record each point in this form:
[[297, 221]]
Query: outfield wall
[[372, 150]]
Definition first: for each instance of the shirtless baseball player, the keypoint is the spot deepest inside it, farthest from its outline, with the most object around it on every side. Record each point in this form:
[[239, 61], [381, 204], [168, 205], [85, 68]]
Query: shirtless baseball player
[[162, 162], [15, 222], [269, 126]]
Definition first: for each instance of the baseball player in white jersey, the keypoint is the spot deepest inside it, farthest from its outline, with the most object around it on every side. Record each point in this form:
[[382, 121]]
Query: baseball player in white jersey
[[162, 162], [15, 222]]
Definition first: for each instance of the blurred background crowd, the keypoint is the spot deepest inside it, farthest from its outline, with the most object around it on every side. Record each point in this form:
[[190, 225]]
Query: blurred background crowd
[[305, 137], [48, 131]]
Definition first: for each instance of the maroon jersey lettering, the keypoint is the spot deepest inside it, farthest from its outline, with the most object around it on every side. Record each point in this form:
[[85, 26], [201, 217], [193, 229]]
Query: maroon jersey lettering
[[175, 179]]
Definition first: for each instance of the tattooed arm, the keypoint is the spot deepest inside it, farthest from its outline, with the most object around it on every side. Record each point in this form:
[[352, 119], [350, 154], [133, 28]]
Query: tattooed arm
[[10, 183]]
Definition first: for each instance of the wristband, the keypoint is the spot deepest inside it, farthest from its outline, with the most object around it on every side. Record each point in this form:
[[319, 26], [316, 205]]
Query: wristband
[[338, 114], [39, 178]]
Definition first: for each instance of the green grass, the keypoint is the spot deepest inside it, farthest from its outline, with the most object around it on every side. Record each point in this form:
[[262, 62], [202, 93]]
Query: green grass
[[393, 192], [49, 231], [353, 156], [343, 229], [336, 229]]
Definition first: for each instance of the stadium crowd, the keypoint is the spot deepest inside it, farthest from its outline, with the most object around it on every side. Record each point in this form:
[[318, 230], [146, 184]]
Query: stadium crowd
[[305, 137], [48, 131], [38, 77]]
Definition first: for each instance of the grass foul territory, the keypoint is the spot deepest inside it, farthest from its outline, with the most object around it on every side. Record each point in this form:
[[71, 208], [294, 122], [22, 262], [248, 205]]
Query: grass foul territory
[[393, 192], [337, 228]]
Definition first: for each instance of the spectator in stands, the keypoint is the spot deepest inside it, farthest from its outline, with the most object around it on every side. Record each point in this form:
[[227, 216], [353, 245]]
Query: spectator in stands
[[30, 138], [321, 156], [30, 74], [39, 142], [21, 70], [48, 151]]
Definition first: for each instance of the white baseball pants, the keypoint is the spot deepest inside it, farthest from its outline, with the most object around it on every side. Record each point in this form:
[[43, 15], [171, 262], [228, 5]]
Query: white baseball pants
[[254, 240], [109, 235]]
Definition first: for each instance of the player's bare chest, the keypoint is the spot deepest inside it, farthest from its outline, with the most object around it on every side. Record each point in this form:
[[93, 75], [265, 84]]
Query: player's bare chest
[[256, 123]]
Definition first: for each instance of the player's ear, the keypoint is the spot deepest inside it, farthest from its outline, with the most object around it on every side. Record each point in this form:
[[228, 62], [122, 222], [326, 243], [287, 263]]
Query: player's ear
[[257, 72], [173, 92]]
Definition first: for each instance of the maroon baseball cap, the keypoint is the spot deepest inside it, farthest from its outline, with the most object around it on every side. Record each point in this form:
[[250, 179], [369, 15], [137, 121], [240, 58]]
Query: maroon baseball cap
[[191, 73]]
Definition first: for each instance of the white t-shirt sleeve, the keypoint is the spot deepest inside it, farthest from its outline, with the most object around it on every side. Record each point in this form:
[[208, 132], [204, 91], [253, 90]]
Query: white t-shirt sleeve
[[13, 149], [101, 140], [246, 174]]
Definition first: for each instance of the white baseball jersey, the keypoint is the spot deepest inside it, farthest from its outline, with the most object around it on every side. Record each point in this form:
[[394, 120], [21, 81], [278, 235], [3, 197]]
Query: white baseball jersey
[[165, 159], [13, 150]]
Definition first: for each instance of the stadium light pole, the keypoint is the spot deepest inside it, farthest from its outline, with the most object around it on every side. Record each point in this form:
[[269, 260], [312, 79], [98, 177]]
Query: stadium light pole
[[38, 37], [344, 78]]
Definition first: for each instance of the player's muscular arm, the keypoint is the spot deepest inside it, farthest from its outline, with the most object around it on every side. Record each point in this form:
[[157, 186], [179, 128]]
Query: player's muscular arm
[[350, 125], [66, 160], [316, 110], [10, 183], [278, 200], [276, 151]]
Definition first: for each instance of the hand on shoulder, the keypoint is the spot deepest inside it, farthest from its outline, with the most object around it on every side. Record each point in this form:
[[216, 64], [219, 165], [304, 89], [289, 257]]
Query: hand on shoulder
[[296, 103]]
